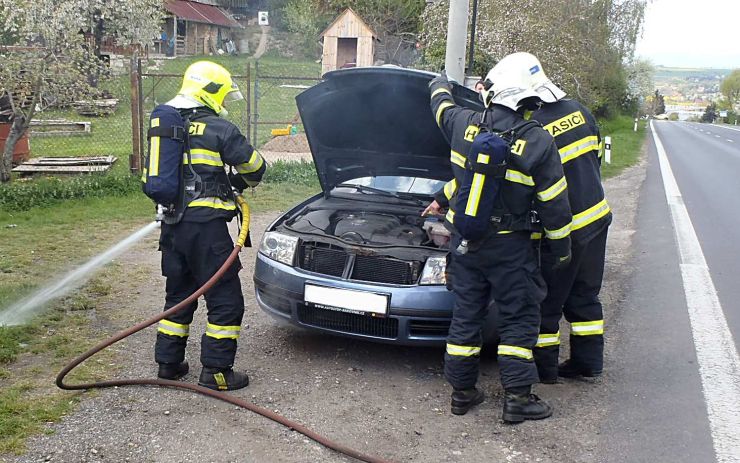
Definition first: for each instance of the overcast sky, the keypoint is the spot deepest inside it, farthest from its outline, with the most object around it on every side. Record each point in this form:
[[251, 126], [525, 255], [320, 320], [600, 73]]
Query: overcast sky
[[692, 33]]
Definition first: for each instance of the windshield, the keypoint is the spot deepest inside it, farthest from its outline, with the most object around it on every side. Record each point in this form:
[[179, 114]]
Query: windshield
[[395, 184]]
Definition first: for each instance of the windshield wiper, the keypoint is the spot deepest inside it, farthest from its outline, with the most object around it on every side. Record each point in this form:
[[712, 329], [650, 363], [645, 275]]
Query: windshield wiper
[[369, 189]]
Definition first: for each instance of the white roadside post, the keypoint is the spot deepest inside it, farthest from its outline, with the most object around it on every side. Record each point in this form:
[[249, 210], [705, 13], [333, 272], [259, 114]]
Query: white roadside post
[[608, 150], [636, 124], [457, 32]]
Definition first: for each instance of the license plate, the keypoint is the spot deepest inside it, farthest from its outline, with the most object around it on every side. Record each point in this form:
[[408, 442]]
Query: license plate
[[346, 300]]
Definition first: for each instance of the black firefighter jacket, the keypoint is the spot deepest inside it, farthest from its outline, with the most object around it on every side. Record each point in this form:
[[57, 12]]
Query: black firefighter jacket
[[214, 143], [578, 140], [534, 178]]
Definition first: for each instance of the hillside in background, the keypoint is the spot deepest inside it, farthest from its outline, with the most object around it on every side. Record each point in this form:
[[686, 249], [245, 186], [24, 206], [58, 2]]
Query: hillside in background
[[688, 85]]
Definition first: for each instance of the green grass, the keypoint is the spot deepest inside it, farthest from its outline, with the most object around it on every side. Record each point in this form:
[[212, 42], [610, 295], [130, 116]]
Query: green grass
[[626, 143]]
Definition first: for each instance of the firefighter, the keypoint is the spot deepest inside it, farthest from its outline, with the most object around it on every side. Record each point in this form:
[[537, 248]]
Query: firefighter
[[572, 290], [196, 247], [502, 266]]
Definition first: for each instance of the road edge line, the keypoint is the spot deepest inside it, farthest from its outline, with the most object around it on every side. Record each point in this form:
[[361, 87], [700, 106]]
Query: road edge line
[[716, 352]]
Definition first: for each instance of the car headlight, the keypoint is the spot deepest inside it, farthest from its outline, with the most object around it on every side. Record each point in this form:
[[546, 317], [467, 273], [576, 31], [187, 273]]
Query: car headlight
[[434, 271], [279, 247]]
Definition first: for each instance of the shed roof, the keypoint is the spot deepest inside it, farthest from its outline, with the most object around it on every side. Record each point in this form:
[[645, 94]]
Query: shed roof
[[345, 13], [201, 13]]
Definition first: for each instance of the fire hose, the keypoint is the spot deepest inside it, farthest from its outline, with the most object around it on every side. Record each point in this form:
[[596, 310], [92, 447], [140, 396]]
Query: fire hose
[[292, 425]]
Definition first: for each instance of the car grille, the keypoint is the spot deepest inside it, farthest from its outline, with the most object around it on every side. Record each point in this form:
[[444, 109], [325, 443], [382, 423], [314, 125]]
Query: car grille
[[273, 301], [385, 270], [429, 327], [326, 260], [348, 322], [331, 260]]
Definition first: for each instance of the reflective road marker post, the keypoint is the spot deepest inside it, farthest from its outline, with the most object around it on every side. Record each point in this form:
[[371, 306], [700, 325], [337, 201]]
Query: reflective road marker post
[[608, 150]]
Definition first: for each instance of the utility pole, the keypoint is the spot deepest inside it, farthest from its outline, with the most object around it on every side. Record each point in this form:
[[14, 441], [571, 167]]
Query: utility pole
[[457, 31], [471, 45]]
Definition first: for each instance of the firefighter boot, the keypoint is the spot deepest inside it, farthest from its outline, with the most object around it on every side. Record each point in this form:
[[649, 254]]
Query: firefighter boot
[[173, 371], [221, 379], [570, 369], [465, 399], [520, 404]]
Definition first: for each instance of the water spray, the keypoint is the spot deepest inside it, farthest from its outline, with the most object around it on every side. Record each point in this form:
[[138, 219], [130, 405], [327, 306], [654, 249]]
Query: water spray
[[292, 425], [23, 310]]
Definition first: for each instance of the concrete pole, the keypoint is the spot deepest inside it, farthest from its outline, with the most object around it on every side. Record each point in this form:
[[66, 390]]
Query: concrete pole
[[457, 31]]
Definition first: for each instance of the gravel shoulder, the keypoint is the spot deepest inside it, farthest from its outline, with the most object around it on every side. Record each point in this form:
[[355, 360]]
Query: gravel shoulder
[[388, 401]]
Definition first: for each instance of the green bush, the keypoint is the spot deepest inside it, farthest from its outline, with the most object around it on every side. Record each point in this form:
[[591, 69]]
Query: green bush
[[23, 195], [300, 173]]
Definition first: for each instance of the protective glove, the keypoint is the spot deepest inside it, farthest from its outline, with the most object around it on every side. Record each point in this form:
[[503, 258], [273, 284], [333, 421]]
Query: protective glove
[[440, 81], [562, 262], [561, 254], [238, 182]]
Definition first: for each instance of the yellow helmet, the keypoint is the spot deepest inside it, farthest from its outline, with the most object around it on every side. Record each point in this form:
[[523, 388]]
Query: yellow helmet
[[210, 83]]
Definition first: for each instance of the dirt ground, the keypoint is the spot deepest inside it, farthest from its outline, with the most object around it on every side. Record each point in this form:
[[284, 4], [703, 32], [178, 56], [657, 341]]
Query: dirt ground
[[287, 148], [388, 401]]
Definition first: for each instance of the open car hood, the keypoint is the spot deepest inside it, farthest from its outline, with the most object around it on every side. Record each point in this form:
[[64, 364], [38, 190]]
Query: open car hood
[[376, 121]]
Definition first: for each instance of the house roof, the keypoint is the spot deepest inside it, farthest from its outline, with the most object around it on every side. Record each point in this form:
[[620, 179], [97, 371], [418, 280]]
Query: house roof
[[345, 13], [200, 12]]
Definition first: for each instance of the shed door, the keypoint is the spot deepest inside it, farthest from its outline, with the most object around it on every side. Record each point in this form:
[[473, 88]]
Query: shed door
[[346, 52]]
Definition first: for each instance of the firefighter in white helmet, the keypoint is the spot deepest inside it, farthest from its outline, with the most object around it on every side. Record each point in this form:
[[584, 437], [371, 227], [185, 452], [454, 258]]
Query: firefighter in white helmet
[[572, 291], [502, 265]]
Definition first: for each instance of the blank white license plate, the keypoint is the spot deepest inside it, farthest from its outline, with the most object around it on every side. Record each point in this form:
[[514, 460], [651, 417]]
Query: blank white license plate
[[346, 300]]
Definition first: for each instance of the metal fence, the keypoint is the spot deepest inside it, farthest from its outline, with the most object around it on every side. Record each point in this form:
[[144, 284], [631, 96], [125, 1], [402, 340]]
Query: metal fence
[[268, 115]]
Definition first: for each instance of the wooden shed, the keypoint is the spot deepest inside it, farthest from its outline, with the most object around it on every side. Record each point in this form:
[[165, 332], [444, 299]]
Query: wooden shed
[[199, 26], [348, 42]]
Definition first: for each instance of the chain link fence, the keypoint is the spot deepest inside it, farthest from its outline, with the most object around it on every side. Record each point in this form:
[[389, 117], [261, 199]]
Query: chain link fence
[[95, 125]]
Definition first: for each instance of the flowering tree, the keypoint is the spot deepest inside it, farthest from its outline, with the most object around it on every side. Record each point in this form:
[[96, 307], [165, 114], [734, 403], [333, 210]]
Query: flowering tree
[[583, 44], [45, 54]]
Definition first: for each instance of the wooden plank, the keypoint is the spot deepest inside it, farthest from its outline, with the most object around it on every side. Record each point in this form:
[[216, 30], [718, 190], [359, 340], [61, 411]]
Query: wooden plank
[[26, 169], [71, 161]]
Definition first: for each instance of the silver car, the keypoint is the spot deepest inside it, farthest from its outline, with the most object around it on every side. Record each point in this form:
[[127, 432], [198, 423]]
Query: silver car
[[358, 259]]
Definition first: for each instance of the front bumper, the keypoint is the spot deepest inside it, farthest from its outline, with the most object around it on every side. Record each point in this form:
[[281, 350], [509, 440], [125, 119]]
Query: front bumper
[[418, 315]]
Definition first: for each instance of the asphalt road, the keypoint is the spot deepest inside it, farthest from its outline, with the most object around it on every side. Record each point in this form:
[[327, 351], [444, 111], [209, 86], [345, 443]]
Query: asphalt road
[[675, 375]]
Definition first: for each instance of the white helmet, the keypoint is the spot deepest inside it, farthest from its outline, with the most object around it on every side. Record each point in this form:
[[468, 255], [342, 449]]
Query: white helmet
[[516, 77]]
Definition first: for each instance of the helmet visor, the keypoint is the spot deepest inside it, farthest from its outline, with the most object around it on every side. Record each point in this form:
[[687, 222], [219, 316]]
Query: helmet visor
[[234, 94]]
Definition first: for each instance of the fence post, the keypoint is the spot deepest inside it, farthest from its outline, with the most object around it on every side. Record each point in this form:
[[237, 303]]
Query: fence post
[[249, 100], [135, 157], [142, 143], [256, 101]]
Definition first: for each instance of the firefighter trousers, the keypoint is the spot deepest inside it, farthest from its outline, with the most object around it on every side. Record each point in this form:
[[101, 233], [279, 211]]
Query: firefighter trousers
[[191, 253], [574, 292], [500, 276]]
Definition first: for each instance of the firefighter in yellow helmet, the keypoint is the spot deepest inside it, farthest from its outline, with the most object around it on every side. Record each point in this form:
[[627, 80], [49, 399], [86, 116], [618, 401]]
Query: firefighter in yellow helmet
[[194, 248]]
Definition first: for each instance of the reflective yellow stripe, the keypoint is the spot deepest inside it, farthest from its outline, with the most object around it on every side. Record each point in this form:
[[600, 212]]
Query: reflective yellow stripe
[[143, 174], [504, 232], [582, 146], [515, 351], [440, 90], [204, 156], [587, 328], [476, 188], [552, 192], [560, 232], [462, 351], [154, 152], [450, 217], [536, 236], [518, 177], [215, 203], [442, 106], [590, 215], [220, 381], [253, 165], [457, 158], [173, 329], [545, 340], [222, 332], [450, 188]]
